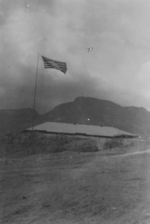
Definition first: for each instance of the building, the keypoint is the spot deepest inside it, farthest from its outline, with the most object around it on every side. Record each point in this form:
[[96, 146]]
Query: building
[[80, 129]]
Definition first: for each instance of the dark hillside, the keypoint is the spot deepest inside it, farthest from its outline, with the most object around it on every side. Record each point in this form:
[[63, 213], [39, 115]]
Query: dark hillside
[[83, 110], [87, 110], [16, 120]]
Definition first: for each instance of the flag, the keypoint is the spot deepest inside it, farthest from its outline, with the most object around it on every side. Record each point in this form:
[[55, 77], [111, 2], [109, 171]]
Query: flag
[[49, 63]]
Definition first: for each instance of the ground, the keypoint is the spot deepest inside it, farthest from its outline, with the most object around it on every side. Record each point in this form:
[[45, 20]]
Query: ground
[[75, 186]]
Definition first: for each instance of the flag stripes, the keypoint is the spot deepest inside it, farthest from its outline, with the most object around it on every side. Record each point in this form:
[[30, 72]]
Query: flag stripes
[[49, 63]]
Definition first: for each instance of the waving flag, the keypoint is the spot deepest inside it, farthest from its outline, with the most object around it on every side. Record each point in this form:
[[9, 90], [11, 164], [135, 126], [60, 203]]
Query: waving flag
[[49, 63]]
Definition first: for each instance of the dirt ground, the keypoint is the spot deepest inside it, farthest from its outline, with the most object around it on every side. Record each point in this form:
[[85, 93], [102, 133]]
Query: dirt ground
[[75, 186]]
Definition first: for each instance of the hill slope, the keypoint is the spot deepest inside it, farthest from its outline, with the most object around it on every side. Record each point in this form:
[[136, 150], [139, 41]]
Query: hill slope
[[87, 110], [16, 120], [83, 110]]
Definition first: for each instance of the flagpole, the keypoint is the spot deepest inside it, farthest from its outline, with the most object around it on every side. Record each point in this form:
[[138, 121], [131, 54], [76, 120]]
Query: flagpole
[[35, 90]]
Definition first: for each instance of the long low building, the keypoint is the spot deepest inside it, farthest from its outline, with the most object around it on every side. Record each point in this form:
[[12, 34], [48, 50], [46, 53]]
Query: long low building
[[79, 129]]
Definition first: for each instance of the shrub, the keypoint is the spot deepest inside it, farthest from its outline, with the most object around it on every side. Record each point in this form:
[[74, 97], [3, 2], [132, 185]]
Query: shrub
[[113, 143], [87, 146]]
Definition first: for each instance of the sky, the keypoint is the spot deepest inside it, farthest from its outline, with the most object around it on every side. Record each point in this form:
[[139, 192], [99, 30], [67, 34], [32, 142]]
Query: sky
[[117, 68]]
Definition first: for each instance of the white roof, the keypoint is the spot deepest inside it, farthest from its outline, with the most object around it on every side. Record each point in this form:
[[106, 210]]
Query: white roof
[[56, 127]]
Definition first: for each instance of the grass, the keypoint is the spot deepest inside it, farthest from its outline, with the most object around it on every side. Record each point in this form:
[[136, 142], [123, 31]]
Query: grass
[[114, 143], [26, 144], [35, 143]]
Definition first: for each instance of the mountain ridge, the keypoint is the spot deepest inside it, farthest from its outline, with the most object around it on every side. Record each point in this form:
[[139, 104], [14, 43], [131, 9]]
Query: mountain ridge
[[89, 110], [83, 110]]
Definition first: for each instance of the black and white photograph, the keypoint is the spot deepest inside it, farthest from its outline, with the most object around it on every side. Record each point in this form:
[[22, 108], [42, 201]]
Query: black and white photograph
[[75, 111]]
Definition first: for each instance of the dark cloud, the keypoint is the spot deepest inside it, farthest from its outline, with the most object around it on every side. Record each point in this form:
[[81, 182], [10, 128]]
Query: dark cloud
[[116, 69]]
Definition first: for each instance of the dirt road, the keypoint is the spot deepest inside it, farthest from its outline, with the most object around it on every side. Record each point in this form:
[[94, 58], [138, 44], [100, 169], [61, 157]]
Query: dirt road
[[135, 153], [79, 188]]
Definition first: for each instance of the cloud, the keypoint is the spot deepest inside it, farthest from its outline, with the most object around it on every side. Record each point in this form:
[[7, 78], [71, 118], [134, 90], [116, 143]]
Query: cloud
[[117, 30]]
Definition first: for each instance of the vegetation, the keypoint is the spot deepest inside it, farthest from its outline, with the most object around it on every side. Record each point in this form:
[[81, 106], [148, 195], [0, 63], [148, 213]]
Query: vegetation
[[35, 143], [114, 143]]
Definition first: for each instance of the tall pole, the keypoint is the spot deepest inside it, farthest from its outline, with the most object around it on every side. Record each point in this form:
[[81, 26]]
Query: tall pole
[[34, 103]]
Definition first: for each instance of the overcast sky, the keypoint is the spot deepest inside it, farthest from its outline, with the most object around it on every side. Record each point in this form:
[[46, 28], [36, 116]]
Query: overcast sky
[[117, 69]]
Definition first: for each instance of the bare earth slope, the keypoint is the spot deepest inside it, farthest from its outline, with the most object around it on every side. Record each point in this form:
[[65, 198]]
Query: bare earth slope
[[77, 187]]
